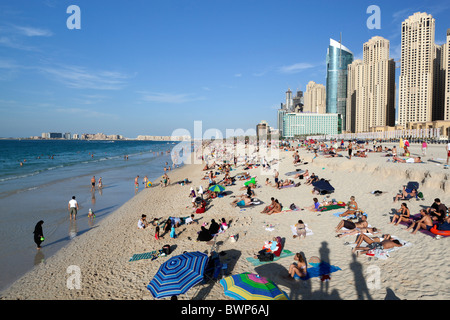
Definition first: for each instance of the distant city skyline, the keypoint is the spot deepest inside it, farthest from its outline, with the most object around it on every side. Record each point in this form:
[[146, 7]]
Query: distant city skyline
[[148, 68]]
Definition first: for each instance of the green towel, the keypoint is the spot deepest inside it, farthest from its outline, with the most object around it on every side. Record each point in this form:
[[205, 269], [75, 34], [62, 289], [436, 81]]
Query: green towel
[[256, 262], [331, 207]]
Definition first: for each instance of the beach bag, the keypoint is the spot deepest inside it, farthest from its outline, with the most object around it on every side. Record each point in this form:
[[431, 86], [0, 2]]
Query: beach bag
[[166, 249]]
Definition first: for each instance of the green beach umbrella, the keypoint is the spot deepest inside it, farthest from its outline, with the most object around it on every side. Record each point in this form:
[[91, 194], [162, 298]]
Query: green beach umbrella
[[252, 180]]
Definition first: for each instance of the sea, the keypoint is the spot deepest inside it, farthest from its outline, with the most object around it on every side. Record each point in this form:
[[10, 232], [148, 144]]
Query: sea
[[39, 177]]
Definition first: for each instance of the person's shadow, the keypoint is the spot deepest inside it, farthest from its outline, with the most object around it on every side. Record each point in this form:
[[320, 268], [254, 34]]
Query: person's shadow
[[360, 281]]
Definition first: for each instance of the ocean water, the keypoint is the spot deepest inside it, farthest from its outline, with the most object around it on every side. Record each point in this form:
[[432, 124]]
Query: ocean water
[[53, 171]]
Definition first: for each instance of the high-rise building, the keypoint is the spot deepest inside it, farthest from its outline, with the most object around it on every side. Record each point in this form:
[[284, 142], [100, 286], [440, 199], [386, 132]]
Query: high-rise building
[[446, 68], [357, 117], [298, 102], [338, 58], [315, 98], [416, 75], [371, 88], [289, 104]]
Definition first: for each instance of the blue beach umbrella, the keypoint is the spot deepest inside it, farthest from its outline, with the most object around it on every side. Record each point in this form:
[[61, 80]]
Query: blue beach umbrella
[[178, 274]]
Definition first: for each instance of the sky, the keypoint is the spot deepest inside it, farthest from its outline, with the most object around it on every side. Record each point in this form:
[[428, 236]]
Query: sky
[[145, 67]]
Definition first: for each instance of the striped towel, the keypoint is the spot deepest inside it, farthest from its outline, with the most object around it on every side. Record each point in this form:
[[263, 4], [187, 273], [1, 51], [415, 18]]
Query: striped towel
[[147, 255]]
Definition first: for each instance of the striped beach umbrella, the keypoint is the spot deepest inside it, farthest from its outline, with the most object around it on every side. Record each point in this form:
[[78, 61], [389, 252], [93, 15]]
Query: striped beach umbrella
[[178, 274], [216, 188], [249, 286]]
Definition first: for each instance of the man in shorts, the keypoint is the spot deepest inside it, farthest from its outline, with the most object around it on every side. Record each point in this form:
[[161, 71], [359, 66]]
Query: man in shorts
[[93, 183], [73, 208]]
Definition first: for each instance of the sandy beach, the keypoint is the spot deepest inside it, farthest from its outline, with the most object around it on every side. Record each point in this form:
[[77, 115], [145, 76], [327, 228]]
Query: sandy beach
[[102, 254]]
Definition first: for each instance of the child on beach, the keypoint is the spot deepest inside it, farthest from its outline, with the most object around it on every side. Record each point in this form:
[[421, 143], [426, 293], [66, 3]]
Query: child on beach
[[173, 235], [91, 214], [157, 232]]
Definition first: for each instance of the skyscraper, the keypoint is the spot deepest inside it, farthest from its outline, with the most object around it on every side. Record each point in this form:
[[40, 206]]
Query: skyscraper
[[315, 98], [371, 88], [416, 75], [338, 58], [446, 67]]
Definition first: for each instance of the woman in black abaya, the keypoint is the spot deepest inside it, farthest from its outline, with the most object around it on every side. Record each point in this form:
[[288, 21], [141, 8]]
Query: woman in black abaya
[[38, 234]]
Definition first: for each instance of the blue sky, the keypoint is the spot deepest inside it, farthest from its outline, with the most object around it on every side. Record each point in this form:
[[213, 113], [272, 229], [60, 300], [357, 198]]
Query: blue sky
[[150, 67]]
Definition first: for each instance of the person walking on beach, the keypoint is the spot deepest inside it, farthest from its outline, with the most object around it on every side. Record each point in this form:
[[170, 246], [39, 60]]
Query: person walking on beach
[[424, 148], [38, 234], [93, 183], [73, 208], [100, 183]]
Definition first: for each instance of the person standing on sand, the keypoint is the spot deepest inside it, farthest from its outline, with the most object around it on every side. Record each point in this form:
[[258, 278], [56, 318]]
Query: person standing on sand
[[136, 182], [38, 234], [448, 151], [73, 208], [350, 149], [424, 148]]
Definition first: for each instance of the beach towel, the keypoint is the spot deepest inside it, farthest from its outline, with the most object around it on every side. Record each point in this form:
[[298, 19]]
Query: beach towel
[[308, 230], [385, 253], [318, 269], [254, 202], [350, 216], [332, 207], [147, 255], [417, 217], [284, 253]]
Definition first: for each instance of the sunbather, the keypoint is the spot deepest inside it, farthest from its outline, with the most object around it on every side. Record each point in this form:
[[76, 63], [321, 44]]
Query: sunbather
[[425, 223], [299, 267], [269, 207], [405, 195], [362, 223], [242, 201], [352, 208], [372, 244], [276, 208], [402, 214], [363, 237], [358, 231]]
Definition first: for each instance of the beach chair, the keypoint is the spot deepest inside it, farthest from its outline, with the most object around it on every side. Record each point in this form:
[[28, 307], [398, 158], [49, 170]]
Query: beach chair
[[214, 269]]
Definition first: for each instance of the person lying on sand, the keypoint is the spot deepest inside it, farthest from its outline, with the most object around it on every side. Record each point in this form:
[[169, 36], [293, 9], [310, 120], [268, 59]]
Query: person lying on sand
[[243, 200], [372, 244], [362, 223], [358, 231], [409, 160], [363, 237]]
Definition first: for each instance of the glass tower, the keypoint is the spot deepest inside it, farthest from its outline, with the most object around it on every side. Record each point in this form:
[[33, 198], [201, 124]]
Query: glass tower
[[338, 58]]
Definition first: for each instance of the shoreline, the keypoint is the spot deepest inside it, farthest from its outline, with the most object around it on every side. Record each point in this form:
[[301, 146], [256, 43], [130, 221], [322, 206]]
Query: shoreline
[[103, 253]]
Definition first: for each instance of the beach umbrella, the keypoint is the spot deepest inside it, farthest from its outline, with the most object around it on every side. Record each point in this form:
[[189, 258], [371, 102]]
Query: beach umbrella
[[251, 181], [216, 188], [178, 274], [323, 185], [250, 286]]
